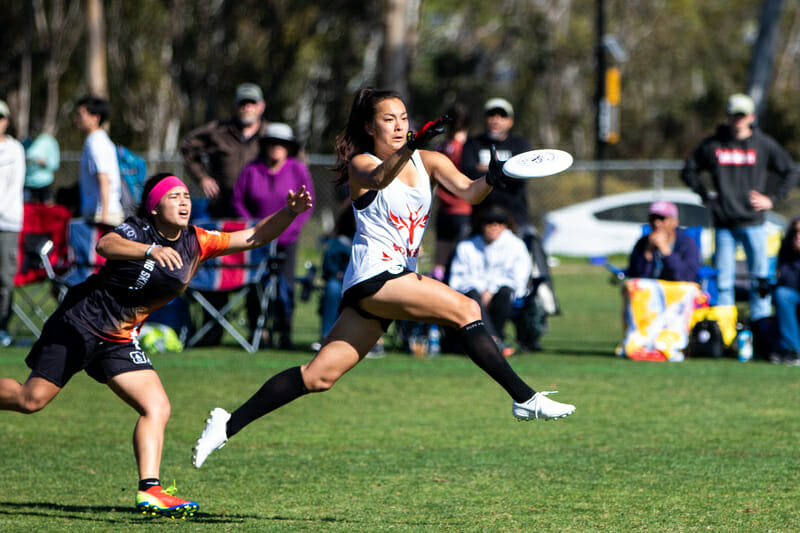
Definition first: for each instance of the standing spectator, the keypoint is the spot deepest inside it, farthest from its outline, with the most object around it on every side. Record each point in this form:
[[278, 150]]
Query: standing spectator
[[493, 268], [214, 154], [12, 178], [499, 119], [787, 297], [453, 214], [42, 160], [667, 252], [738, 157], [100, 184], [260, 191]]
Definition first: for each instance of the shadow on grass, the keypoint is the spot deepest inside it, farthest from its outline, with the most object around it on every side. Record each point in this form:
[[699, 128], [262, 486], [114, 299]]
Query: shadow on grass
[[95, 513]]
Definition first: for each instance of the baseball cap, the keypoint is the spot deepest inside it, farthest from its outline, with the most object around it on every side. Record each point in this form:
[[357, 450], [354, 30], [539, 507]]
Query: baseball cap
[[740, 103], [4, 112], [249, 91], [499, 103], [664, 209], [495, 214]]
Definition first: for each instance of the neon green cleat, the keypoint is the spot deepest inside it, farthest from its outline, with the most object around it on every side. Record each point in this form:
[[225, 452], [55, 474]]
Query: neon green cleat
[[159, 501]]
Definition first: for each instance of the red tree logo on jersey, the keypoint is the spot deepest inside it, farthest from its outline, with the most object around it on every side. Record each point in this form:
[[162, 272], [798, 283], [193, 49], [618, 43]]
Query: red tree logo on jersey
[[411, 224]]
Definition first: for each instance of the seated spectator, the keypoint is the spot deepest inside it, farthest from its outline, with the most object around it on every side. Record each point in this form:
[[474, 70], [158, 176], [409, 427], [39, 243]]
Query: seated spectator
[[335, 257], [493, 268], [787, 296], [667, 252]]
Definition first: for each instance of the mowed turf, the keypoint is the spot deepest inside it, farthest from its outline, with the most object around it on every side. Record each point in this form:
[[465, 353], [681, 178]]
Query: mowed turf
[[403, 444]]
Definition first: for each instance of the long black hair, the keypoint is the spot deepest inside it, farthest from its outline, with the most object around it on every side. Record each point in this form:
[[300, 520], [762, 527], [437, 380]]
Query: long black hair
[[354, 139], [151, 182], [787, 251]]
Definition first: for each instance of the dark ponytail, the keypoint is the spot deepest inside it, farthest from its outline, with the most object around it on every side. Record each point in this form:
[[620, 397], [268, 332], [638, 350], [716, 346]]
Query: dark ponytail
[[354, 139]]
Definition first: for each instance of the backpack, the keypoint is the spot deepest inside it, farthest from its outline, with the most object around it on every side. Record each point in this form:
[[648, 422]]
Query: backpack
[[132, 173], [705, 340]]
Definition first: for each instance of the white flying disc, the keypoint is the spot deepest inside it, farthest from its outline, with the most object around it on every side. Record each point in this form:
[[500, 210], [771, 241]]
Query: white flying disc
[[537, 163]]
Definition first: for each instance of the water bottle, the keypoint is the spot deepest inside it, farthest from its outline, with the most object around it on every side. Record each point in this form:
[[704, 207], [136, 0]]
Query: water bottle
[[745, 344], [434, 341]]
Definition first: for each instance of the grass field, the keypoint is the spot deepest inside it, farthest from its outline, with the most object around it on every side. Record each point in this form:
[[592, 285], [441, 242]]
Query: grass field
[[405, 444]]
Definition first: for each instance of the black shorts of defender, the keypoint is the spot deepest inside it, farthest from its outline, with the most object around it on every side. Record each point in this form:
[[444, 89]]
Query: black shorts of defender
[[352, 297], [66, 347]]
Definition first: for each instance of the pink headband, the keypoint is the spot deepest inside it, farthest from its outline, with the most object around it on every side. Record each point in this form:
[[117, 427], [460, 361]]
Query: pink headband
[[162, 188]]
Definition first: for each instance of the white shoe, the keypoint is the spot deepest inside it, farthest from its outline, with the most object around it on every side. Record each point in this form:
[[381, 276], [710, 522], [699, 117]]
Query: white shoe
[[214, 436], [540, 406]]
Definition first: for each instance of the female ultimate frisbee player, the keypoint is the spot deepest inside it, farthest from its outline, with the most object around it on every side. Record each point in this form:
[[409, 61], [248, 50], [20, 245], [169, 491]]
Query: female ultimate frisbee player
[[390, 187], [151, 258]]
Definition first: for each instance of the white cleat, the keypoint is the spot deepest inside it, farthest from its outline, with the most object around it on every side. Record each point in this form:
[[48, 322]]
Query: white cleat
[[214, 436], [540, 406]]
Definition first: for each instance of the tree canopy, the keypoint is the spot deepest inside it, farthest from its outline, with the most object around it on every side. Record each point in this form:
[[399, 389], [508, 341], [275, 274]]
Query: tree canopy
[[174, 64]]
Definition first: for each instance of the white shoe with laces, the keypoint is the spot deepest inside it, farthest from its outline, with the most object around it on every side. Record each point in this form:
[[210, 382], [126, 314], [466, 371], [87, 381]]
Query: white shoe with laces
[[214, 436], [540, 406]]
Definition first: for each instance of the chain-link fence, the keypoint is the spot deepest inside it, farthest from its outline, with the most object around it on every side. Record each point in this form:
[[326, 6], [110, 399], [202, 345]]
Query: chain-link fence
[[583, 181]]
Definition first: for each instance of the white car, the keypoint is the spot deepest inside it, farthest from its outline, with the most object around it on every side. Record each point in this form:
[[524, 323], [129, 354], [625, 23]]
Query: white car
[[612, 224]]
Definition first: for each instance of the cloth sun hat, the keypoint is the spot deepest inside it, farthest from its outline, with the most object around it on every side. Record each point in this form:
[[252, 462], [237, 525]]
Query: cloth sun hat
[[249, 91], [278, 131], [664, 209], [499, 103], [4, 112], [740, 104]]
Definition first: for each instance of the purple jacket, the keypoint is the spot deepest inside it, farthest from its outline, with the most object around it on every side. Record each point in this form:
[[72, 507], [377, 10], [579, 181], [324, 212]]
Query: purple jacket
[[259, 193]]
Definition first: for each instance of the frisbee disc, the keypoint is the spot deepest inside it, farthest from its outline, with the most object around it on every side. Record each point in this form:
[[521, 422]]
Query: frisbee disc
[[537, 163]]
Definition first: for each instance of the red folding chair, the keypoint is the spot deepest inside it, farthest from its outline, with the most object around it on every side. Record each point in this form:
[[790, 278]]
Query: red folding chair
[[42, 250]]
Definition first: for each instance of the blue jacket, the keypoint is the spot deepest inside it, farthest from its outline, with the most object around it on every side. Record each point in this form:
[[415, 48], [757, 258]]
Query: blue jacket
[[681, 265]]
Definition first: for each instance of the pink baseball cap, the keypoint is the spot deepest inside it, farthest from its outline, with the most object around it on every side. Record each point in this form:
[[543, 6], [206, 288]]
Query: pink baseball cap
[[664, 209]]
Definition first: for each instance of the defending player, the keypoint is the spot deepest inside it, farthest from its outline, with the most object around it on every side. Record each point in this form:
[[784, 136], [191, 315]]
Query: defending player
[[151, 258], [390, 188]]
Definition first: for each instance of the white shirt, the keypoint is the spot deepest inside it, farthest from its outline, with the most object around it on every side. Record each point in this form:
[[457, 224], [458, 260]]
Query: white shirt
[[99, 156], [12, 180], [389, 230], [488, 267]]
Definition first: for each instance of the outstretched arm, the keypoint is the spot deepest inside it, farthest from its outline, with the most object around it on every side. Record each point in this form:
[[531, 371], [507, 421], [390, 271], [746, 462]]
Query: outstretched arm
[[474, 191], [270, 227]]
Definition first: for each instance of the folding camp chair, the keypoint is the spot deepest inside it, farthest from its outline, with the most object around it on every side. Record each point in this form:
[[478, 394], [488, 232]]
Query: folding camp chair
[[42, 250], [82, 238], [238, 275]]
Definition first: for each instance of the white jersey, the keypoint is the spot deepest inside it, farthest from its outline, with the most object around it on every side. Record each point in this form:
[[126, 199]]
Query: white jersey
[[389, 230]]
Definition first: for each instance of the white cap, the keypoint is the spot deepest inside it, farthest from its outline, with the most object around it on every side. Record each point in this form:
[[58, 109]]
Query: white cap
[[740, 103], [4, 112], [499, 103]]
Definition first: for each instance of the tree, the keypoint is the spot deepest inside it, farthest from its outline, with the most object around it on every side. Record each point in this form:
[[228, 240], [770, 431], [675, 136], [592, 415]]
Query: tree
[[96, 67]]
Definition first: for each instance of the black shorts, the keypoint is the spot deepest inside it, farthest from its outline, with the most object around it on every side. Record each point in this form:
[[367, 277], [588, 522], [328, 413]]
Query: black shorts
[[65, 348], [452, 228], [352, 297]]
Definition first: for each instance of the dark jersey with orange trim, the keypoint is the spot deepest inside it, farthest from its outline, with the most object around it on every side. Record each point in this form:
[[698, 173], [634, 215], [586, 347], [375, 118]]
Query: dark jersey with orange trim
[[113, 302]]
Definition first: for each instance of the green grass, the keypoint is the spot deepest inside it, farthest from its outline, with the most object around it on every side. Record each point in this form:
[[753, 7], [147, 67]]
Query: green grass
[[407, 444]]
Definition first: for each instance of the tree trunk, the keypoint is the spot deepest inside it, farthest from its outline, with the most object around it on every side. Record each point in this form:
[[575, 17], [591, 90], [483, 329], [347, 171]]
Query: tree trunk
[[763, 54], [395, 49], [96, 50]]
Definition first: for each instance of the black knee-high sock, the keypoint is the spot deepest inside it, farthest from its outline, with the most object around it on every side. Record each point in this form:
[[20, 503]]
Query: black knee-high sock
[[279, 390], [480, 347]]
